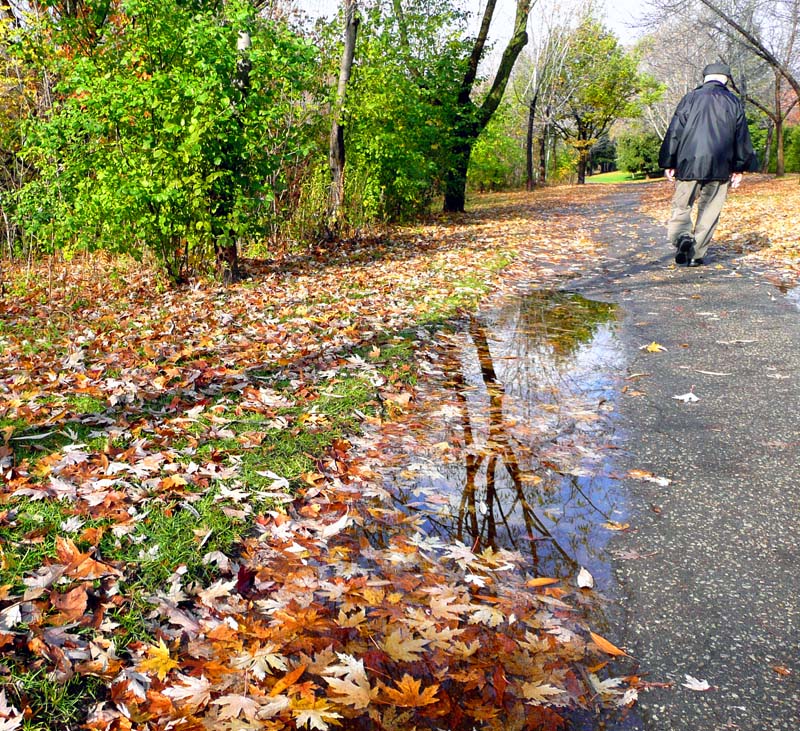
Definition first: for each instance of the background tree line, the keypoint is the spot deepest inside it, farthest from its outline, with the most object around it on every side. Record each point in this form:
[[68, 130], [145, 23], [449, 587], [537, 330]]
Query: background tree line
[[192, 130]]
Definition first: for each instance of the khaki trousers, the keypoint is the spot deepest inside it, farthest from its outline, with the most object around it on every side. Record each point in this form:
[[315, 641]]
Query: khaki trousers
[[710, 197]]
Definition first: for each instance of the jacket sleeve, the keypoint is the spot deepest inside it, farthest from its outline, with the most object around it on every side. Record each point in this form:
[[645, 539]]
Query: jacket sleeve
[[667, 156], [745, 159]]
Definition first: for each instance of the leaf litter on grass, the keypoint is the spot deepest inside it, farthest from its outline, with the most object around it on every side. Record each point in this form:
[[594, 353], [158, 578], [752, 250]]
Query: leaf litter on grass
[[135, 413]]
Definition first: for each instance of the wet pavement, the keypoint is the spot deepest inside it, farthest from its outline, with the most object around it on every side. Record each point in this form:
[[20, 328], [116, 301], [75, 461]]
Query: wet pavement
[[553, 430], [709, 570]]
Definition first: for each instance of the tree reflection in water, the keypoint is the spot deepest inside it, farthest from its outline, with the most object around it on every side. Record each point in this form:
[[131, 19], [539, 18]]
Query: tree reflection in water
[[528, 422]]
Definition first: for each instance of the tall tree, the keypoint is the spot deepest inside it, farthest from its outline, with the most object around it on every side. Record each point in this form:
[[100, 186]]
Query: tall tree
[[336, 154], [470, 118], [601, 84]]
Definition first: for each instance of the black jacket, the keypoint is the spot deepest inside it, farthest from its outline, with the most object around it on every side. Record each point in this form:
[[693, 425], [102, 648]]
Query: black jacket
[[708, 137]]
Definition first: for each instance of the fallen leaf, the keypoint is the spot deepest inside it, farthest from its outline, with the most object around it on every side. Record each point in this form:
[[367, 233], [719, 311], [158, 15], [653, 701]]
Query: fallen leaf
[[158, 661], [695, 684], [607, 646], [653, 347], [541, 581], [585, 579], [613, 525], [408, 695], [687, 398], [649, 477]]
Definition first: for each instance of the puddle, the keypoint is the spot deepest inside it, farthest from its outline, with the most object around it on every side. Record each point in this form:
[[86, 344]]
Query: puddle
[[517, 446]]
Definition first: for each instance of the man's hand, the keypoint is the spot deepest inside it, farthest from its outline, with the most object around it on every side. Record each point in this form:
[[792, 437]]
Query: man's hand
[[736, 180], [670, 173]]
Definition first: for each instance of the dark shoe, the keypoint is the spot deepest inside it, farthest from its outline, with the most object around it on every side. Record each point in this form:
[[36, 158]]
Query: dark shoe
[[685, 246], [696, 263]]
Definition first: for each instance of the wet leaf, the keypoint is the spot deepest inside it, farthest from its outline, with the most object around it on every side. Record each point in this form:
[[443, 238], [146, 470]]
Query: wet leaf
[[653, 347], [606, 646], [687, 398], [585, 580]]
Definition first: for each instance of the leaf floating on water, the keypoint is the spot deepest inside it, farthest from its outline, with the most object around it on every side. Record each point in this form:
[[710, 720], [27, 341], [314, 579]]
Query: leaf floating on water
[[613, 525], [541, 581], [585, 579]]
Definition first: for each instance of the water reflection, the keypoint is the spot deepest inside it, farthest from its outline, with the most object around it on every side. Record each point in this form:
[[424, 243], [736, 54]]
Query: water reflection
[[517, 454]]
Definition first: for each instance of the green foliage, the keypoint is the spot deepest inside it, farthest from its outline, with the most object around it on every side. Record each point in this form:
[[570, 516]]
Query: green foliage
[[498, 157], [791, 150], [637, 152], [602, 84], [153, 143], [399, 122]]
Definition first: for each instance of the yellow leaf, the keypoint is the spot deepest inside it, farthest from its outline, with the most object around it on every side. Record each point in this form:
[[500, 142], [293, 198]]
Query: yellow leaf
[[654, 347], [158, 661], [606, 646], [401, 647], [613, 525]]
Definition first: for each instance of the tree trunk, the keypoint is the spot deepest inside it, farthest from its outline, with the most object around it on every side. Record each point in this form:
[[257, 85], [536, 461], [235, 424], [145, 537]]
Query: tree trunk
[[529, 144], [336, 155], [780, 165], [582, 160], [472, 121], [455, 190], [543, 154], [226, 248], [768, 149]]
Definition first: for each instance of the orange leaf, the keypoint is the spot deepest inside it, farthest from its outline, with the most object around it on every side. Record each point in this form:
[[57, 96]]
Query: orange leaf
[[408, 693], [288, 680], [606, 646], [541, 581]]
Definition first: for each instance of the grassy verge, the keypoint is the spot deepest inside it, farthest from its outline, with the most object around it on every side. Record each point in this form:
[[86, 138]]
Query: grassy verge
[[143, 436]]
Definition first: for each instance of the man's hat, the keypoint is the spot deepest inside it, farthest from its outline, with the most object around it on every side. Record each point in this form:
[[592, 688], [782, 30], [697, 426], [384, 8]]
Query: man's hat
[[718, 68]]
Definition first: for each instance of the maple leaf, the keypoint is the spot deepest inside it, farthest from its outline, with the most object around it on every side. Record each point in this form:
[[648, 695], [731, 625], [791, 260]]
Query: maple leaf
[[407, 694], [314, 713], [490, 616], [158, 661], [538, 694], [189, 691], [260, 662], [354, 690], [234, 705], [10, 717], [443, 606], [653, 347], [215, 591], [400, 646]]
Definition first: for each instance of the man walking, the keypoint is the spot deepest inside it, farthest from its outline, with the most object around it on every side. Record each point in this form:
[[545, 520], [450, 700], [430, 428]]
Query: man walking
[[706, 149]]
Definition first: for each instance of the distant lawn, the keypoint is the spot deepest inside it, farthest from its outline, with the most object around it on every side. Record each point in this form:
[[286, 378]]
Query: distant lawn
[[618, 176]]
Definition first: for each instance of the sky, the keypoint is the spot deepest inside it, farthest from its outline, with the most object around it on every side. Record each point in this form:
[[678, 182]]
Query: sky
[[620, 15]]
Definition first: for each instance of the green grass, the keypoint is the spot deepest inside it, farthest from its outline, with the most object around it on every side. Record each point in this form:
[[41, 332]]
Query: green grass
[[618, 176]]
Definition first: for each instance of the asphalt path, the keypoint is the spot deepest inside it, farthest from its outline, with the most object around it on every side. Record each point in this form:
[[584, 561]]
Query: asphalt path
[[709, 571]]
